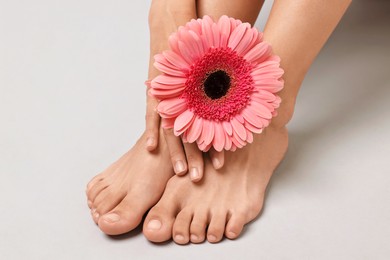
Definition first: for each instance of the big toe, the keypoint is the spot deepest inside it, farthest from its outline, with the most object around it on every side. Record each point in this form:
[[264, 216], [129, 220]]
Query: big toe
[[126, 216], [159, 222]]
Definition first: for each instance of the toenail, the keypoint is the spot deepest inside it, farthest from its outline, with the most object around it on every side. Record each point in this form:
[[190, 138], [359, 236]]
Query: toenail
[[194, 173], [179, 238], [194, 238], [232, 234], [217, 163], [179, 167], [89, 203], [150, 141], [154, 224], [211, 238], [96, 215], [93, 211], [112, 217]]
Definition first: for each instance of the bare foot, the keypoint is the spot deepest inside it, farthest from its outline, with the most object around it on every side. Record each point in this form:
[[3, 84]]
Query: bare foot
[[224, 201], [120, 196]]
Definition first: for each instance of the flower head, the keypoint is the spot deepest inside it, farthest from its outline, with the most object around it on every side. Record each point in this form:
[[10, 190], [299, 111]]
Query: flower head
[[218, 83]]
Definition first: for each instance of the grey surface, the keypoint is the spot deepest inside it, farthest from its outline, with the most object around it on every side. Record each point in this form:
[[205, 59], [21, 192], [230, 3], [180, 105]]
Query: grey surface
[[72, 99]]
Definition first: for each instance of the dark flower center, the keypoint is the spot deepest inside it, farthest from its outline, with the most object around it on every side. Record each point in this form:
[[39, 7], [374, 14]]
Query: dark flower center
[[217, 84]]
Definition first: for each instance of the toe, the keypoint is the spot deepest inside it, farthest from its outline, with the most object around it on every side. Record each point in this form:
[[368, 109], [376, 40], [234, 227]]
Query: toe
[[124, 217], [93, 181], [108, 199], [181, 227], [159, 221], [235, 225], [216, 227], [198, 227], [97, 188]]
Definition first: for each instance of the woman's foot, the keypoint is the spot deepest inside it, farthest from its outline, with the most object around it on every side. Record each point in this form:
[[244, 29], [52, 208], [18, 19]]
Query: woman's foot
[[224, 201], [120, 196]]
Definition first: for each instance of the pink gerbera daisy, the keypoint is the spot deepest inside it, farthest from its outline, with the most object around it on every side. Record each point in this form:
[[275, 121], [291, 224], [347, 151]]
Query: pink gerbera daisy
[[218, 83]]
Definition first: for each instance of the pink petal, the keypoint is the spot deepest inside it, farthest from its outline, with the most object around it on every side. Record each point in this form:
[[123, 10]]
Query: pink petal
[[207, 131], [171, 107], [268, 72], [169, 80], [272, 85], [238, 128], [197, 42], [219, 137], [208, 34], [251, 117], [166, 93], [228, 127], [237, 140], [195, 130], [260, 51], [260, 110], [252, 128], [176, 60], [195, 26], [224, 28], [228, 142], [237, 35], [240, 118], [249, 136], [183, 121], [216, 35], [243, 46], [185, 52], [164, 67], [190, 43]]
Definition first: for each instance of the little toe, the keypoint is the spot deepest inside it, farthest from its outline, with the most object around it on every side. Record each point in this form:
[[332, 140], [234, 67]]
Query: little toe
[[216, 227], [93, 181], [124, 217], [159, 222], [235, 225], [181, 227], [198, 227]]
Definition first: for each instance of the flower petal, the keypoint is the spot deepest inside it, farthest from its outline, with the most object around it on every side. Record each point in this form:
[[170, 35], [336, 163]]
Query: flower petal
[[252, 118], [169, 80], [228, 142], [166, 93], [259, 52], [243, 46], [183, 121], [195, 130], [185, 52], [176, 60], [216, 35], [219, 137], [237, 35], [238, 128], [172, 107], [167, 123], [224, 28], [228, 127], [208, 34], [207, 132], [260, 110]]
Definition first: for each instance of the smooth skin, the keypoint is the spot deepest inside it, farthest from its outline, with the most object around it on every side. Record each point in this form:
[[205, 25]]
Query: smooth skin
[[227, 197]]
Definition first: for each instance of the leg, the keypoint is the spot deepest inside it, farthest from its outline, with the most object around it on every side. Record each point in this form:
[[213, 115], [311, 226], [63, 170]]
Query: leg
[[229, 198], [120, 196]]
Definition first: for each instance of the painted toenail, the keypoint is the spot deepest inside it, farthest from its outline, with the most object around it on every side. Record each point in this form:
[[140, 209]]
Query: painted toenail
[[154, 224], [211, 238], [194, 238], [179, 238], [150, 141], [194, 174], [232, 234], [112, 217], [217, 163], [179, 167]]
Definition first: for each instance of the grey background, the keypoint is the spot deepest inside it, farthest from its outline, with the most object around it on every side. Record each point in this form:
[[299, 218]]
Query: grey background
[[72, 101]]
